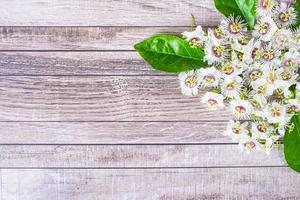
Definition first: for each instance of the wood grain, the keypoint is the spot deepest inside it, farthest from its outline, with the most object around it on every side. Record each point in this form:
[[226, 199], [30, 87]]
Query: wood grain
[[78, 38], [106, 13], [132, 156], [150, 184], [112, 132], [74, 63], [105, 98]]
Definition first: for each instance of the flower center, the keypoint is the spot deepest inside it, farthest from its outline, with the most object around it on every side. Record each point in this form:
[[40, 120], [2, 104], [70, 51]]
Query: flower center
[[292, 109], [250, 145], [212, 102], [275, 111], [272, 77], [296, 37], [236, 130], [255, 74], [289, 63], [285, 16], [286, 75], [281, 39], [240, 56], [218, 51], [279, 94], [231, 86], [209, 79], [191, 81], [227, 69], [266, 4], [240, 109], [254, 53], [244, 40], [218, 33], [268, 55], [261, 90], [196, 41], [264, 28], [262, 127], [234, 27]]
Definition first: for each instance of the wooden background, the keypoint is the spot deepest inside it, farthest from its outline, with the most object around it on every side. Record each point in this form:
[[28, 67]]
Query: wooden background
[[83, 117]]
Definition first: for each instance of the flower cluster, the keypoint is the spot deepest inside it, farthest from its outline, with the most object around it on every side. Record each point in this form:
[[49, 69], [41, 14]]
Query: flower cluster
[[254, 72]]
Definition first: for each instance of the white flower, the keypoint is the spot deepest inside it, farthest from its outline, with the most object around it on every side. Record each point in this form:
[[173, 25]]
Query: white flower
[[293, 106], [281, 38], [228, 69], [237, 131], [231, 87], [215, 52], [249, 145], [213, 100], [282, 91], [265, 7], [261, 130], [260, 87], [258, 103], [252, 51], [238, 59], [240, 43], [209, 77], [196, 37], [265, 29], [254, 73], [272, 79], [289, 77], [216, 34], [275, 113], [270, 56], [284, 15], [291, 60], [189, 83], [241, 109], [295, 39], [233, 26]]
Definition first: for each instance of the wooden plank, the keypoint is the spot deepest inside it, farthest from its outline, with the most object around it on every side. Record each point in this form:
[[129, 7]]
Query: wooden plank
[[78, 38], [74, 63], [105, 98], [112, 132], [150, 184], [106, 13], [132, 156]]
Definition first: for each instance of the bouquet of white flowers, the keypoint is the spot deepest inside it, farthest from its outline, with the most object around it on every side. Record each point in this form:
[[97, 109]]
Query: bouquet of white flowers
[[250, 63]]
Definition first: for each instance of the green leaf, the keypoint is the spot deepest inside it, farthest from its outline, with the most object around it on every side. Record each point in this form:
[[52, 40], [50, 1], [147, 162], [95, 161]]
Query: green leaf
[[170, 53], [244, 8], [292, 144], [297, 9]]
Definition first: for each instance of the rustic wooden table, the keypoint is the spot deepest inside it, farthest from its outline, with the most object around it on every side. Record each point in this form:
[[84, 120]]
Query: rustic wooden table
[[84, 118]]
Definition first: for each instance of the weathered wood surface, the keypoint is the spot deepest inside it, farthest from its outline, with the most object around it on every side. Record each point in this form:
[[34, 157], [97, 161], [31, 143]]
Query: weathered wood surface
[[106, 13], [112, 132], [74, 63], [128, 156], [83, 117], [164, 184], [105, 98], [78, 38]]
